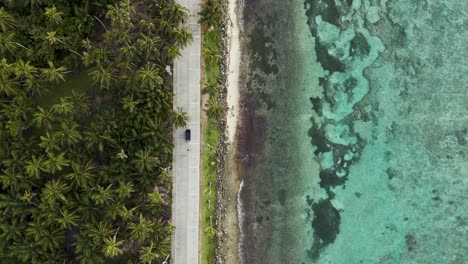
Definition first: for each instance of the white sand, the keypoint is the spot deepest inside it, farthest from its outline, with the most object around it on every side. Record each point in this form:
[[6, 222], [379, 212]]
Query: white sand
[[233, 70]]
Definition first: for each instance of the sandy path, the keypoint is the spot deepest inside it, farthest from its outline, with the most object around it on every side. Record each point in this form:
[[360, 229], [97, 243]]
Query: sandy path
[[233, 70]]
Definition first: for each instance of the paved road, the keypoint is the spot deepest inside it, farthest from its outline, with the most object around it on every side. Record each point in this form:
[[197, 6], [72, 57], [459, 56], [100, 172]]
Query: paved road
[[186, 158]]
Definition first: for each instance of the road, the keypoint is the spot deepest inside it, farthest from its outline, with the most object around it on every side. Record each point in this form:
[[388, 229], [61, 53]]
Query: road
[[186, 157]]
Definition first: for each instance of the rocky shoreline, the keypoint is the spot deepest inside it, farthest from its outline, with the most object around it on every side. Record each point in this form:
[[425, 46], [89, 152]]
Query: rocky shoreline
[[225, 153]]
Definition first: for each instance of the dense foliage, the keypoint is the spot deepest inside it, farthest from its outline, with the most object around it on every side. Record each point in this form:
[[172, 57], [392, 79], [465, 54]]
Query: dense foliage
[[211, 17], [211, 20], [84, 179]]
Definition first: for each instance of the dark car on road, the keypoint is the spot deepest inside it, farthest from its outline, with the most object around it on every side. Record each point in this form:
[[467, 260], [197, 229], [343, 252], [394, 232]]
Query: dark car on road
[[187, 135]]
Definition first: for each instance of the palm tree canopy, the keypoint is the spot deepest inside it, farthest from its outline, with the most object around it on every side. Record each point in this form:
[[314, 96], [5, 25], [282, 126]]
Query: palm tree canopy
[[81, 171], [53, 73], [53, 15], [7, 21]]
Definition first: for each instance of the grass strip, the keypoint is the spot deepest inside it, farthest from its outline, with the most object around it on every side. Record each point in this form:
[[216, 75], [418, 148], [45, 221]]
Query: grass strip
[[211, 50]]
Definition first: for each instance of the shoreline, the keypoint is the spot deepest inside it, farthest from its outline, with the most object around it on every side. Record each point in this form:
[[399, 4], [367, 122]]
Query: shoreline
[[233, 65], [228, 180]]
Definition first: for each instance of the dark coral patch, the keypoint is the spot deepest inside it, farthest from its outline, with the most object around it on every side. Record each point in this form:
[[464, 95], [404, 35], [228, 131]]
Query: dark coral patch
[[359, 46], [326, 225], [328, 179], [328, 62], [318, 138], [317, 104]]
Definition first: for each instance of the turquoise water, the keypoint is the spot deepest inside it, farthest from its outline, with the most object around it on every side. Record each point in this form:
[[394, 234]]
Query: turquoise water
[[354, 142]]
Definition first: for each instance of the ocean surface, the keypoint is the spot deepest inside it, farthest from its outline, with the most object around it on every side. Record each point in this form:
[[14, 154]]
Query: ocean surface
[[354, 134]]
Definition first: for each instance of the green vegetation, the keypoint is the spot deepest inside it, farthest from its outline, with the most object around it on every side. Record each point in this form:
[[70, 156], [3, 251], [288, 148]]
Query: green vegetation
[[78, 83], [208, 185], [83, 155], [211, 47]]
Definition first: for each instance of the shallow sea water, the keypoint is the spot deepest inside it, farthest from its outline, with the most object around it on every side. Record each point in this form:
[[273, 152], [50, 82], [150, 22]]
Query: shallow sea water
[[354, 142]]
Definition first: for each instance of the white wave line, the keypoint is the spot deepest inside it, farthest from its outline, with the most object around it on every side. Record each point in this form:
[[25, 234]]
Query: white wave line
[[240, 219]]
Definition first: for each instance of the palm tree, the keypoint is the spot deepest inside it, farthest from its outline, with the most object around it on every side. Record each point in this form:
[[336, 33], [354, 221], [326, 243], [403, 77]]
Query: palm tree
[[120, 15], [147, 27], [54, 74], [125, 190], [69, 133], [212, 88], [86, 43], [55, 190], [101, 55], [127, 52], [50, 142], [132, 84], [64, 107], [33, 3], [52, 37], [182, 36], [22, 107], [14, 161], [44, 118], [212, 56], [178, 13], [140, 230], [9, 179], [104, 76], [128, 103], [112, 210], [152, 128], [35, 166], [96, 137], [211, 13], [149, 77], [179, 118], [210, 231], [5, 67], [8, 85], [7, 21], [164, 245], [87, 58], [67, 219], [126, 214], [165, 26], [56, 163], [120, 36], [147, 256], [215, 110], [35, 86], [148, 45], [103, 195], [45, 237], [98, 231], [24, 69], [25, 251], [87, 251], [7, 43], [82, 173], [80, 102], [145, 160], [173, 52], [12, 231], [112, 246], [155, 196], [53, 15]]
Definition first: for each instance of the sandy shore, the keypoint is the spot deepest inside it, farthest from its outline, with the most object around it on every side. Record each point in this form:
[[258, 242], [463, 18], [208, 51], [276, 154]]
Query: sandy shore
[[233, 64], [227, 213]]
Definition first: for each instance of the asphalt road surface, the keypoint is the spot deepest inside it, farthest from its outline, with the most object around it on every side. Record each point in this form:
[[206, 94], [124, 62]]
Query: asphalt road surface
[[186, 157]]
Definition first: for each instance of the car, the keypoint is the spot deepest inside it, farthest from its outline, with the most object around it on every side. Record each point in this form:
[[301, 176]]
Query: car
[[187, 135]]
